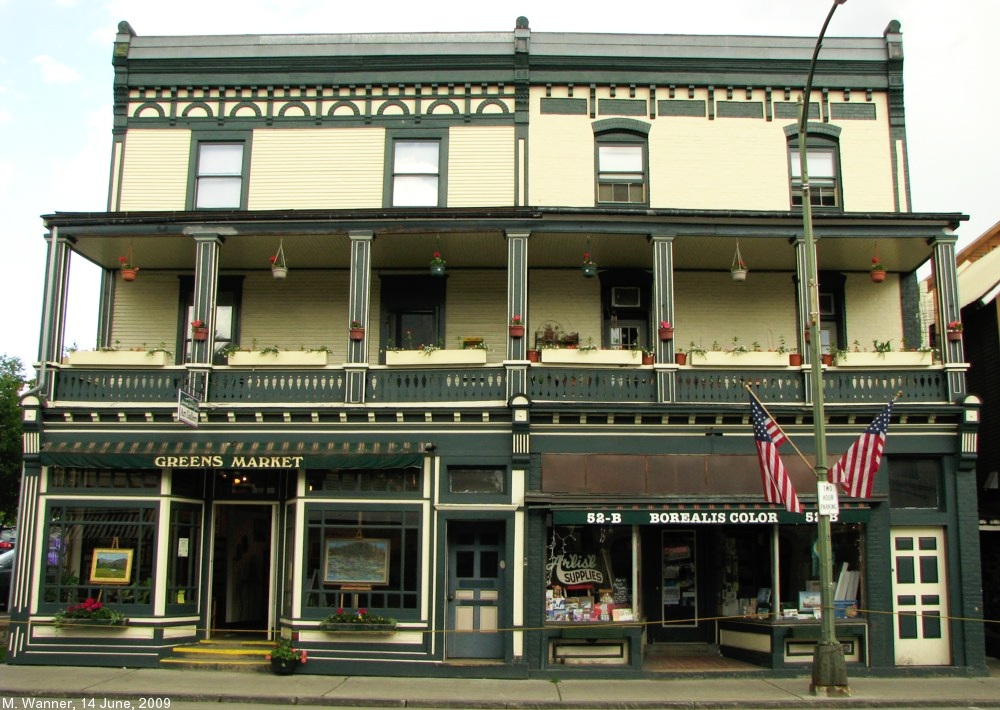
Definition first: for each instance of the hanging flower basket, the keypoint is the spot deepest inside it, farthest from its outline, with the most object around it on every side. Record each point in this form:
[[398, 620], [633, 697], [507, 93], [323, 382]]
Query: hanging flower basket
[[437, 264], [877, 271], [954, 330], [738, 269], [199, 331], [357, 333], [279, 269], [588, 268], [516, 327], [665, 331], [954, 335], [129, 270]]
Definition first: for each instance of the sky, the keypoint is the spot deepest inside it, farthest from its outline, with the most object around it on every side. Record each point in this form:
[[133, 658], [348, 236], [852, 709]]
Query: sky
[[56, 97]]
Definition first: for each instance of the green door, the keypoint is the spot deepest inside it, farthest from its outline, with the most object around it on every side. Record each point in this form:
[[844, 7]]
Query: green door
[[475, 590]]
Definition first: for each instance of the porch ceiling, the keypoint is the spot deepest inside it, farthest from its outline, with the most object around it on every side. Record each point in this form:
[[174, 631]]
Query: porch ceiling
[[765, 242]]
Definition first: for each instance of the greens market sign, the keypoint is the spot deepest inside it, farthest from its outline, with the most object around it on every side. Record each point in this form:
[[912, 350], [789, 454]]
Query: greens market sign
[[217, 461]]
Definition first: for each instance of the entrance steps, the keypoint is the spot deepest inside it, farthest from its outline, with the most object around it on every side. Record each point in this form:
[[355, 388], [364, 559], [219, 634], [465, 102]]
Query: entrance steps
[[220, 655]]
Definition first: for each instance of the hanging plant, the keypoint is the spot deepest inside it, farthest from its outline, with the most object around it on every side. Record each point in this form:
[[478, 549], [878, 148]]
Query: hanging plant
[[878, 270], [437, 264], [588, 267], [279, 269], [128, 269], [738, 269]]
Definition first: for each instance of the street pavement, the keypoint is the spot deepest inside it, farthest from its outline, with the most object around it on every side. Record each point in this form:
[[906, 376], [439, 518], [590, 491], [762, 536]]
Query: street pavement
[[156, 689]]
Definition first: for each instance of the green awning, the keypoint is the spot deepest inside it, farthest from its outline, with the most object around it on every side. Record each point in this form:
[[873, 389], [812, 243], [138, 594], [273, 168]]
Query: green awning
[[205, 453]]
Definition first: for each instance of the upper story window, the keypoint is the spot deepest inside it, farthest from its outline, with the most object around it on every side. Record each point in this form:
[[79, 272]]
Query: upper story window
[[823, 164], [416, 168], [622, 160], [220, 168], [219, 183]]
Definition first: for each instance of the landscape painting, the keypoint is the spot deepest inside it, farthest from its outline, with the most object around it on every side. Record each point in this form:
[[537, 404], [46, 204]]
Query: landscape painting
[[111, 566], [356, 561]]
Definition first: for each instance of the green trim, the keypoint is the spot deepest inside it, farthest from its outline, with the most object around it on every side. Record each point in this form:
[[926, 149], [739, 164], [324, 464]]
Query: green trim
[[681, 107], [621, 107], [852, 112], [607, 125], [564, 107], [740, 109]]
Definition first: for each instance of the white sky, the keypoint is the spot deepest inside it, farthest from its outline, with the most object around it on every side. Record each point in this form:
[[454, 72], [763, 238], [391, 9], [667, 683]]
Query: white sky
[[56, 96]]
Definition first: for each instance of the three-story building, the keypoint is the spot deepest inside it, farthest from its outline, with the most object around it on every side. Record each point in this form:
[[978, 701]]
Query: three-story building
[[458, 329]]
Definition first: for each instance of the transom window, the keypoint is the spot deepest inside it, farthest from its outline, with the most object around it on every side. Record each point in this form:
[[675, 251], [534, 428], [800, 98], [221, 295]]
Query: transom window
[[219, 182], [416, 173]]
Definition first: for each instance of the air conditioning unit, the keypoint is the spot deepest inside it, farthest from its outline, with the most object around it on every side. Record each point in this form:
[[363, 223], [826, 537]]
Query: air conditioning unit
[[625, 297]]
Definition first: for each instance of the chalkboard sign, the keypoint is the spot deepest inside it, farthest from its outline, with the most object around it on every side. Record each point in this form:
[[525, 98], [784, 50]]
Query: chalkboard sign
[[620, 590]]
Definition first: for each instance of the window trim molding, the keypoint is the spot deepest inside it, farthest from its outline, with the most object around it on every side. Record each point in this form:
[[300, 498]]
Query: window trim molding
[[202, 137], [422, 134], [819, 136]]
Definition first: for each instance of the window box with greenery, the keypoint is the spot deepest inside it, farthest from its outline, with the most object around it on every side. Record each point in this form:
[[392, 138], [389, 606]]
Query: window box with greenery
[[590, 354], [115, 357], [360, 621], [275, 357], [883, 356], [737, 355], [432, 356], [89, 613]]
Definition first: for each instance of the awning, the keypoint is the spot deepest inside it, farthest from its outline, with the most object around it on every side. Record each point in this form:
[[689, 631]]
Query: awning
[[205, 453]]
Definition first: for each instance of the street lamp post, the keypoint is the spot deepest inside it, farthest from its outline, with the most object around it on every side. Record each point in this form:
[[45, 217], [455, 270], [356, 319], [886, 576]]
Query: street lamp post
[[829, 673]]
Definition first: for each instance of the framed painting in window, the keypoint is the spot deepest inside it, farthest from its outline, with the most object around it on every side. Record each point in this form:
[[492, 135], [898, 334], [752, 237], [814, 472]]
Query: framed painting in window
[[356, 560], [111, 566]]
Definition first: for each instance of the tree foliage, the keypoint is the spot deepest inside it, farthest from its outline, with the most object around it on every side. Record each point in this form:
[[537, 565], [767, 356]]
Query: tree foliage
[[12, 382]]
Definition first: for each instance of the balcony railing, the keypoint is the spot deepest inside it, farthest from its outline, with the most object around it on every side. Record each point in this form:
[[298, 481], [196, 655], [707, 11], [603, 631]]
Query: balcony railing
[[639, 385]]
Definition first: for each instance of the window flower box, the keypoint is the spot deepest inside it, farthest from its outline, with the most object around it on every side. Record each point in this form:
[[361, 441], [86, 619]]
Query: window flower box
[[717, 358], [348, 627], [578, 356], [119, 358], [285, 358], [435, 358], [888, 359]]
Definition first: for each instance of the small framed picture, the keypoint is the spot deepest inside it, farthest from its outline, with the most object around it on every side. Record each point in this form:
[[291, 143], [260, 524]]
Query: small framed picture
[[111, 566], [810, 601]]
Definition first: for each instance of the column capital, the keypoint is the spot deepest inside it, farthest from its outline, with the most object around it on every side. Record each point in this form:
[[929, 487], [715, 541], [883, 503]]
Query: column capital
[[361, 234]]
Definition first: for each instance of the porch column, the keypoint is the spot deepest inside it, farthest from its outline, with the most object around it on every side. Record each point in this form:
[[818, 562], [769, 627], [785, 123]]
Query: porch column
[[663, 310], [51, 337], [802, 315], [947, 308], [206, 286], [517, 305], [359, 303]]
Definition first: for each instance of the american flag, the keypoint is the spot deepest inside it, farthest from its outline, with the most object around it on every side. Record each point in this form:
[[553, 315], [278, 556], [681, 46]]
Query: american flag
[[855, 472], [777, 486]]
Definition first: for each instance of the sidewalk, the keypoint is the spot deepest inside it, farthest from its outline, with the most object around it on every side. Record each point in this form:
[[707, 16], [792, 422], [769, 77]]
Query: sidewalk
[[339, 691]]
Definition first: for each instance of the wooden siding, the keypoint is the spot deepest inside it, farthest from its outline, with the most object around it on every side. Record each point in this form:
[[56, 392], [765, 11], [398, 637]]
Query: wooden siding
[[560, 161], [873, 312], [145, 311], [481, 166], [154, 175], [566, 298], [307, 310], [476, 305], [866, 163], [317, 168], [710, 307]]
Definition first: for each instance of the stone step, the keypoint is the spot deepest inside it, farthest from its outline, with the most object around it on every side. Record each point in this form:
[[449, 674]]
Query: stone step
[[220, 654]]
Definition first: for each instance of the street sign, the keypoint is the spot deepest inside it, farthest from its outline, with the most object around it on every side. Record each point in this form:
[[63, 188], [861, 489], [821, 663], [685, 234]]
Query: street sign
[[187, 408], [826, 498]]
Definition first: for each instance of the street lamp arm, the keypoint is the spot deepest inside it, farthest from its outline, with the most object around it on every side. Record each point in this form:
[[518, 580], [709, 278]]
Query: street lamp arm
[[803, 118]]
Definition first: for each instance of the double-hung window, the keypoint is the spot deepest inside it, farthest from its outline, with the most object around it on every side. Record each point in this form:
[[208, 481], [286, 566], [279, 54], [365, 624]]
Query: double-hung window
[[822, 162], [621, 156], [416, 173], [621, 173], [219, 175]]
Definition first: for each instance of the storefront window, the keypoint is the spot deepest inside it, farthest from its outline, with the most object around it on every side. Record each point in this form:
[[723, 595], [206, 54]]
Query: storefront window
[[184, 561], [589, 573], [374, 480], [799, 563], [915, 483], [362, 559], [100, 552]]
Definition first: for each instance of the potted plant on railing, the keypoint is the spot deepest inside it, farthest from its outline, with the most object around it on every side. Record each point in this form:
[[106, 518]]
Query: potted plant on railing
[[794, 357], [359, 621], [199, 331], [285, 658], [90, 612], [516, 327], [128, 270], [357, 330], [954, 330], [877, 270], [665, 331], [648, 356]]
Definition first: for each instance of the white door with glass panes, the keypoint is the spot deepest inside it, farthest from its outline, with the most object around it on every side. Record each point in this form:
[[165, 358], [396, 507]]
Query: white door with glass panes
[[920, 597]]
